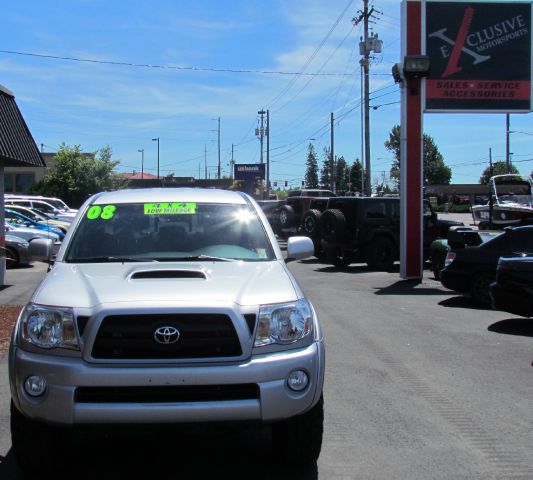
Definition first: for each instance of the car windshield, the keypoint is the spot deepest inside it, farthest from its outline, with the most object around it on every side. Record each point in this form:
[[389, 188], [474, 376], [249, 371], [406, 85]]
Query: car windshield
[[169, 232], [521, 199]]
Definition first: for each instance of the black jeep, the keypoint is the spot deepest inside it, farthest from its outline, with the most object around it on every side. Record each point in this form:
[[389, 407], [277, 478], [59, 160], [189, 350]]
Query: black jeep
[[365, 229]]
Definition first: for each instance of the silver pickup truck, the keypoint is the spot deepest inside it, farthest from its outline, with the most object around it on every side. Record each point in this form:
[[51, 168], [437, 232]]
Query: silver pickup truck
[[167, 306]]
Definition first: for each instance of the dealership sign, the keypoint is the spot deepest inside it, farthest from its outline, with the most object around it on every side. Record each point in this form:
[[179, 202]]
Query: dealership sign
[[249, 171], [480, 54]]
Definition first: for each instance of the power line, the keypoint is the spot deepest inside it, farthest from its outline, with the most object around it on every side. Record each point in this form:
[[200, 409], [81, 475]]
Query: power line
[[172, 67], [319, 70], [310, 59]]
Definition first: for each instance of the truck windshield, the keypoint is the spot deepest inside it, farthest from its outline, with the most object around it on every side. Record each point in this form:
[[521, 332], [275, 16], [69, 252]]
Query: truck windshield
[[169, 232]]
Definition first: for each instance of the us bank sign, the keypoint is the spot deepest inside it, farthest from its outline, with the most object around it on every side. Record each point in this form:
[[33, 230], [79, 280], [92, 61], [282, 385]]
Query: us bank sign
[[480, 55]]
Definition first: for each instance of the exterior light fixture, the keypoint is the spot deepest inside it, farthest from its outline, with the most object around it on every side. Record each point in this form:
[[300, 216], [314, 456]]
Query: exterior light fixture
[[416, 66]]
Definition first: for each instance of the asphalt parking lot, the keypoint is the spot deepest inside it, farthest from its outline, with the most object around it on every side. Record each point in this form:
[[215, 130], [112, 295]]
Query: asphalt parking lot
[[420, 384]]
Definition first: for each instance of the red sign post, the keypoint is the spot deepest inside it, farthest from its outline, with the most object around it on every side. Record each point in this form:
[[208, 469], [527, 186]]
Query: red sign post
[[411, 240]]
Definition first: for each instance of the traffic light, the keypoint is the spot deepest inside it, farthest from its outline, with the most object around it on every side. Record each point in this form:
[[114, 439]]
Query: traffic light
[[286, 183]]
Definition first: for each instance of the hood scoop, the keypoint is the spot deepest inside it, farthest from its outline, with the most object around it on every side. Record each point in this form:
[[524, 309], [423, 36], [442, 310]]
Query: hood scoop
[[157, 274]]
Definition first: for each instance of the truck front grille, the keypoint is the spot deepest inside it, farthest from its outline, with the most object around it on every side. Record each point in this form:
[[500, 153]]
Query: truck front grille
[[134, 337], [167, 394]]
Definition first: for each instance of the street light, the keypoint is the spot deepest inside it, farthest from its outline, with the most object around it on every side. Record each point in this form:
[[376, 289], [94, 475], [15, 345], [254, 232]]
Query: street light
[[141, 151], [157, 140]]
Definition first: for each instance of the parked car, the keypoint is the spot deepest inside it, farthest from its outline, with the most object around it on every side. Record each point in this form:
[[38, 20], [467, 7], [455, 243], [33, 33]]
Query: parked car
[[471, 269], [440, 247], [180, 308], [18, 219], [42, 206], [367, 229], [41, 217], [513, 289], [55, 202], [30, 234], [16, 251]]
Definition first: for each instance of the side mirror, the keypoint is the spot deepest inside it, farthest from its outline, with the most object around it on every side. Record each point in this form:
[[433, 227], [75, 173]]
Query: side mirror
[[298, 248], [40, 250]]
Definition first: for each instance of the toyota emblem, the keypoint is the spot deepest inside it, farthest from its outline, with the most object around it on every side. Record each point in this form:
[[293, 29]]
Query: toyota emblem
[[166, 335]]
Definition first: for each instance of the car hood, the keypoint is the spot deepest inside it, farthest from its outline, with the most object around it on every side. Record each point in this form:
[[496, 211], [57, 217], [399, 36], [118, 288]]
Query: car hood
[[199, 283]]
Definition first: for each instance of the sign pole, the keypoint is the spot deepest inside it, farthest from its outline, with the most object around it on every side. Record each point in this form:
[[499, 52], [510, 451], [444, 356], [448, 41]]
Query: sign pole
[[411, 150]]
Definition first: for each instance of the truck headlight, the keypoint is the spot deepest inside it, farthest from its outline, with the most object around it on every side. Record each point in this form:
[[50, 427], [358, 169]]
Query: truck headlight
[[49, 327], [283, 323]]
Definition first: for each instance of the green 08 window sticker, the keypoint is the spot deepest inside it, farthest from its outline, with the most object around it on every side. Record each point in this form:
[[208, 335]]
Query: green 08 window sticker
[[105, 212], [175, 208]]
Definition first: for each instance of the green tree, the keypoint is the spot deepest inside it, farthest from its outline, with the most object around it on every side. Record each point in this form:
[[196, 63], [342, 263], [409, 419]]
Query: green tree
[[356, 176], [436, 172], [342, 175], [498, 168], [75, 175], [311, 173], [325, 171]]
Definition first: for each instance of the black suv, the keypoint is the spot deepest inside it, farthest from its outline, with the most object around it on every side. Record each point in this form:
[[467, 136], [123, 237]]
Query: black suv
[[365, 229]]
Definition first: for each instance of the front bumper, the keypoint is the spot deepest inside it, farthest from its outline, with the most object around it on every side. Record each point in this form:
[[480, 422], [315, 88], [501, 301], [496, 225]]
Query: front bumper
[[65, 374]]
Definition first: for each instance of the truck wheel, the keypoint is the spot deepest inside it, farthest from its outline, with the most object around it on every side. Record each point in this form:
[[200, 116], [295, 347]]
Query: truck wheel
[[479, 288], [332, 225], [286, 216], [38, 447], [311, 222], [381, 254], [298, 440]]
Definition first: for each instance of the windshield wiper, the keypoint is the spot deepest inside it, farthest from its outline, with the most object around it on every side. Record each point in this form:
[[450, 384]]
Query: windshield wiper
[[110, 258], [196, 258]]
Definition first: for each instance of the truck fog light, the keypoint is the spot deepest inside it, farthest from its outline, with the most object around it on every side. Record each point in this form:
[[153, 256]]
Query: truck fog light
[[297, 380], [35, 385]]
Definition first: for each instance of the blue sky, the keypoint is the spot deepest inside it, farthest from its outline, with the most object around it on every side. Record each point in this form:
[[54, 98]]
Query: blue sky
[[97, 104]]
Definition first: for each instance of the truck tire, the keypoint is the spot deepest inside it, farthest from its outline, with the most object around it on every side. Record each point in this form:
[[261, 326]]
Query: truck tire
[[332, 225], [286, 216], [298, 440], [40, 449], [311, 223], [381, 254]]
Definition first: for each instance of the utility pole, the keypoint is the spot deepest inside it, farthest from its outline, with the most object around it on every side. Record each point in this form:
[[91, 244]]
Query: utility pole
[[268, 156], [260, 133], [141, 151], [366, 46], [218, 169], [205, 161], [157, 140], [332, 156], [507, 132], [232, 164]]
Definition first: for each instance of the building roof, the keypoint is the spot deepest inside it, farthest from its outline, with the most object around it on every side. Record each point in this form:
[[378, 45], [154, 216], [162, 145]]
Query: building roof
[[17, 146], [137, 176]]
